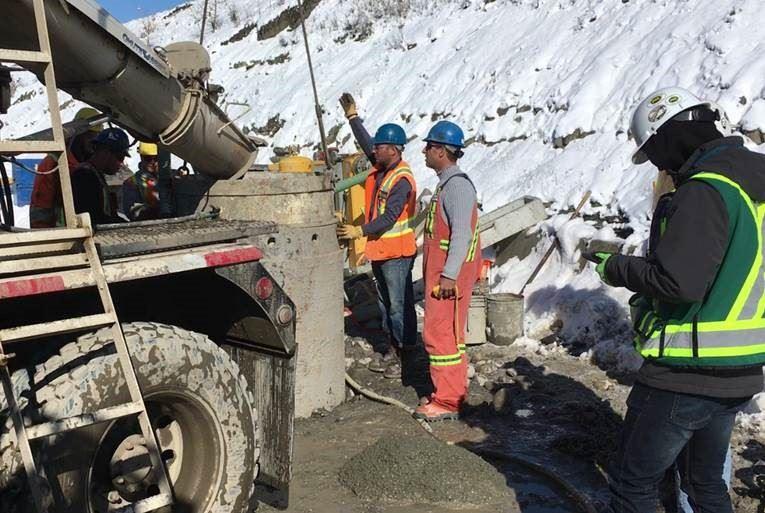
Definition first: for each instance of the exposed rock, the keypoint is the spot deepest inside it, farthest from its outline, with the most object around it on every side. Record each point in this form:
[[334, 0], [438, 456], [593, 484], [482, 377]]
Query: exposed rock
[[563, 141], [503, 400], [288, 18]]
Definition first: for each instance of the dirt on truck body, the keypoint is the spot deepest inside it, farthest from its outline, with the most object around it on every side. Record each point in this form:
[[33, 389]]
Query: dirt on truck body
[[212, 338]]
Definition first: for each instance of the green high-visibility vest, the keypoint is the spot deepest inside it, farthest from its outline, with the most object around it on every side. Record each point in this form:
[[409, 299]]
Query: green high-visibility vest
[[727, 328]]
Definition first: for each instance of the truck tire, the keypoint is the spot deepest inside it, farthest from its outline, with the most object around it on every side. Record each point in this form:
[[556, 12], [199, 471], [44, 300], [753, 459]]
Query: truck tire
[[199, 405]]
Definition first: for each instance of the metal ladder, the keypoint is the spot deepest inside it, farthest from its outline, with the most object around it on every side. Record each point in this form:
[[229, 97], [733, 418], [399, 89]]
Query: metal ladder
[[46, 246]]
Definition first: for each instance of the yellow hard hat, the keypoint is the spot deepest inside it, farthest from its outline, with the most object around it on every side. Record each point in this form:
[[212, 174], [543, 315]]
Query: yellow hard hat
[[147, 149], [87, 113]]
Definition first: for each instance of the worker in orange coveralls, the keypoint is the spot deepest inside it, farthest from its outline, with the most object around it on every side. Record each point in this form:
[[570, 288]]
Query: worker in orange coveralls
[[452, 263]]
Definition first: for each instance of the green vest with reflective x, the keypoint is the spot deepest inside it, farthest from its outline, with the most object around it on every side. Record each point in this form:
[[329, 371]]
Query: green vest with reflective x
[[727, 328]]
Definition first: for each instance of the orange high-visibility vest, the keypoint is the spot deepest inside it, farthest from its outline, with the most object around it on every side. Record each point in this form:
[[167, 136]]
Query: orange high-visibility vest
[[399, 240]]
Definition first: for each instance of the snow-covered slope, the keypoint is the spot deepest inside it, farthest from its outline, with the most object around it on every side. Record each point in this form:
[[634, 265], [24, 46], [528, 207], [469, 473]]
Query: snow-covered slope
[[523, 77], [543, 88]]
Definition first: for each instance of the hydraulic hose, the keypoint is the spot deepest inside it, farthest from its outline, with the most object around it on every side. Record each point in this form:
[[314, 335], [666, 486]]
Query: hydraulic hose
[[347, 183], [583, 504]]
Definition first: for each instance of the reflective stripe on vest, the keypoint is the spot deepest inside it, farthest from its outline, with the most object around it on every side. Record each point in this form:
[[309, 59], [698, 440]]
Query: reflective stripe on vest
[[443, 243], [387, 185], [398, 240], [739, 337], [403, 226], [398, 229]]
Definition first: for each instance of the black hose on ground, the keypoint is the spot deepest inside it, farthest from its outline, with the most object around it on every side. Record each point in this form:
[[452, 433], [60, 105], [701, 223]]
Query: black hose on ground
[[582, 502]]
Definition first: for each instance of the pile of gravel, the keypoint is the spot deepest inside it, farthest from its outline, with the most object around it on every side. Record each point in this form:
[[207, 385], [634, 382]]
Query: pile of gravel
[[422, 470]]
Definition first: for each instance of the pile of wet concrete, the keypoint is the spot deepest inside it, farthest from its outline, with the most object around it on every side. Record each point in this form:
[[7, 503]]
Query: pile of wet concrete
[[423, 470]]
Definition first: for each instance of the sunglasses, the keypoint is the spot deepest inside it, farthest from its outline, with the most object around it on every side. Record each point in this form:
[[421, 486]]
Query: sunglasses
[[430, 146]]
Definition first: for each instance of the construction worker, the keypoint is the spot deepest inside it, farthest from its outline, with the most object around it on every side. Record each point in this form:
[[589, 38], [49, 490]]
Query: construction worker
[[140, 193], [91, 193], [390, 207], [698, 307], [451, 266], [46, 209]]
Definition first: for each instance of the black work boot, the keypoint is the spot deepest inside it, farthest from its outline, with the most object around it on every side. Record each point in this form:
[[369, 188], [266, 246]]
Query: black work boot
[[380, 362], [393, 371]]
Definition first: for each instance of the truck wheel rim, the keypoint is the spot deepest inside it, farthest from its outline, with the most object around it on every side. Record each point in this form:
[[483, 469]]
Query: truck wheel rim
[[192, 447]]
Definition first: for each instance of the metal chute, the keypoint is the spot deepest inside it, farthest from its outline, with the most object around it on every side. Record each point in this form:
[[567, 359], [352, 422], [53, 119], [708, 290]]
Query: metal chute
[[161, 96]]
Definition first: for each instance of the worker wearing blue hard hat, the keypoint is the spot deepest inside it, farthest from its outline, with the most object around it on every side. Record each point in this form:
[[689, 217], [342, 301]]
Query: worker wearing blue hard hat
[[451, 266], [390, 207], [89, 188], [448, 134], [390, 133]]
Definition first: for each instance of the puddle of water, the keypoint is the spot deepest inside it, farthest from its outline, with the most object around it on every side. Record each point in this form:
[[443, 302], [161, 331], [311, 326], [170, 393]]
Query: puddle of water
[[534, 494]]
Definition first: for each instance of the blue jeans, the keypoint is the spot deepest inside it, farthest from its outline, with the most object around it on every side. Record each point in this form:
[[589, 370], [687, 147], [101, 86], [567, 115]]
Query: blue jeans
[[658, 427], [396, 298], [683, 501]]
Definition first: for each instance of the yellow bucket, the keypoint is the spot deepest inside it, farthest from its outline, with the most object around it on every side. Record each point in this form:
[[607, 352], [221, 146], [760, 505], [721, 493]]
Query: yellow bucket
[[295, 164]]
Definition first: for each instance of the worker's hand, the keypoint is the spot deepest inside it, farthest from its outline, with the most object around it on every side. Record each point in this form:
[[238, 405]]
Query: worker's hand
[[138, 212], [600, 258], [349, 106], [349, 232], [446, 288], [339, 218]]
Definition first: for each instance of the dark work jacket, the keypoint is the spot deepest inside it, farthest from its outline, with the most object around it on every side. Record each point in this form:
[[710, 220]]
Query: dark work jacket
[[91, 195], [682, 264]]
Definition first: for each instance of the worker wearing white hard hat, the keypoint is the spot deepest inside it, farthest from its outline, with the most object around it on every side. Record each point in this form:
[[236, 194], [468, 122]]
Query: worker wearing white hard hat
[[699, 304]]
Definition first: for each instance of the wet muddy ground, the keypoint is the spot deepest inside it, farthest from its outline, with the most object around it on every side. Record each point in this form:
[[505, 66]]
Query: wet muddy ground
[[555, 410]]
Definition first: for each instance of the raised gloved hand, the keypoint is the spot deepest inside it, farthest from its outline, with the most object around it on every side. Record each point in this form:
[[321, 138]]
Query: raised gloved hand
[[349, 106], [349, 232], [599, 258]]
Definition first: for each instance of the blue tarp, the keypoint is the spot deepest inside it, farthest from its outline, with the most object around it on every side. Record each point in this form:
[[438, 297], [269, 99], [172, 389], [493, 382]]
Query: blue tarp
[[23, 181]]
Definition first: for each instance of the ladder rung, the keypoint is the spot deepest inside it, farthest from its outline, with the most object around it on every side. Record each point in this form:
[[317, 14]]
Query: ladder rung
[[56, 427], [31, 147], [23, 265], [36, 249], [40, 236], [152, 503], [23, 56], [32, 331]]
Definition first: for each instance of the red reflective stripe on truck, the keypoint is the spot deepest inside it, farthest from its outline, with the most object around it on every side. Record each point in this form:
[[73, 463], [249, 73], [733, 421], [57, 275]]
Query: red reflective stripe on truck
[[233, 256], [30, 287]]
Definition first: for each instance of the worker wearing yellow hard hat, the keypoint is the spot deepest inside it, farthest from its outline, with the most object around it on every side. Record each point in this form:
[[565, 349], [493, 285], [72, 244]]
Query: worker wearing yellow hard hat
[[140, 192], [148, 149], [87, 113], [46, 209]]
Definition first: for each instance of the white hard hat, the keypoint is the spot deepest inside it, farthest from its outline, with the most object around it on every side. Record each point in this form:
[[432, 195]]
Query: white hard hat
[[663, 105]]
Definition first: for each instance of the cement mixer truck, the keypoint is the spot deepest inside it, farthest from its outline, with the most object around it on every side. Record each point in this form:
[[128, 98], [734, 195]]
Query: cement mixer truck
[[231, 312]]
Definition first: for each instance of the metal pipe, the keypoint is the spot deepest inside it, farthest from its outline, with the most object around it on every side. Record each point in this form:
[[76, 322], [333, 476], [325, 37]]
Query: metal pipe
[[204, 22], [327, 158]]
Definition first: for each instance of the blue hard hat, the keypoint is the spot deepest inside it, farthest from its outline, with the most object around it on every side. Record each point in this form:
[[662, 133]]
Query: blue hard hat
[[446, 132], [390, 133], [115, 139]]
